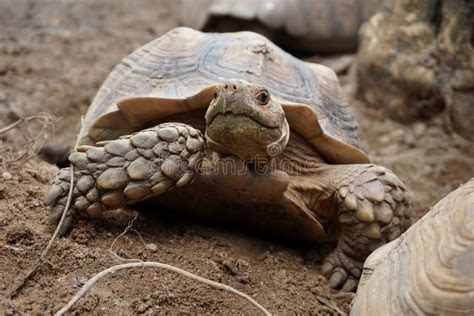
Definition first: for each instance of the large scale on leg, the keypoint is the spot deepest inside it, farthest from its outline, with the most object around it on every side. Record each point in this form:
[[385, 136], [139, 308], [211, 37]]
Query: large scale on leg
[[173, 113]]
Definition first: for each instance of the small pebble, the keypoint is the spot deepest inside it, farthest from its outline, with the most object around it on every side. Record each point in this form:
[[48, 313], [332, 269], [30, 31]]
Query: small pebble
[[152, 247], [419, 128], [409, 138], [7, 175]]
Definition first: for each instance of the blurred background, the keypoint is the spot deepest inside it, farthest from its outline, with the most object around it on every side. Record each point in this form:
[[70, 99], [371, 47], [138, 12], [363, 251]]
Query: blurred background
[[406, 67]]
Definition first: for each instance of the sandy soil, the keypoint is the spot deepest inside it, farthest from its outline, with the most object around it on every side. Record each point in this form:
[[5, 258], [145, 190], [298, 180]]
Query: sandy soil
[[53, 58]]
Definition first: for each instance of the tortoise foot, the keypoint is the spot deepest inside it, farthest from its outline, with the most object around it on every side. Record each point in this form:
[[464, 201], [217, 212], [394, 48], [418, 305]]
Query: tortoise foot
[[374, 208], [128, 170], [341, 270]]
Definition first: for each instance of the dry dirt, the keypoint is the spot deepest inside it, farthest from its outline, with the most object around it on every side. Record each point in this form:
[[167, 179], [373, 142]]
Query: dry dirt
[[53, 58]]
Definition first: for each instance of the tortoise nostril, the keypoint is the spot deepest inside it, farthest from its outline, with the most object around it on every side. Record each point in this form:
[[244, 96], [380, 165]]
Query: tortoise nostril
[[235, 87], [225, 87]]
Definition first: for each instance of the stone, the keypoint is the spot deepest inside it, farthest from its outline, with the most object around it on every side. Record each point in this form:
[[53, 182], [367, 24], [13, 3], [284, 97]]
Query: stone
[[152, 247]]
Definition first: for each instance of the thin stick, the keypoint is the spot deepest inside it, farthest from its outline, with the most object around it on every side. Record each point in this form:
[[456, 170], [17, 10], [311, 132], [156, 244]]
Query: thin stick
[[148, 264], [69, 197], [42, 257]]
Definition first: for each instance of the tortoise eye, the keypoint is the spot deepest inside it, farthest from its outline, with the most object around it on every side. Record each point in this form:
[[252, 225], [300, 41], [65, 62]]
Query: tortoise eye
[[263, 97]]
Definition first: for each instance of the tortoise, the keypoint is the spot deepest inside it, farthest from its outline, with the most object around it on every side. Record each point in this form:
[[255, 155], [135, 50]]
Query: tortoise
[[303, 27], [430, 267], [230, 127]]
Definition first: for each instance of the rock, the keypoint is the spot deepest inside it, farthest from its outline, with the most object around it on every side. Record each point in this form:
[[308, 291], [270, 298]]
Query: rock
[[409, 138], [151, 247], [7, 175]]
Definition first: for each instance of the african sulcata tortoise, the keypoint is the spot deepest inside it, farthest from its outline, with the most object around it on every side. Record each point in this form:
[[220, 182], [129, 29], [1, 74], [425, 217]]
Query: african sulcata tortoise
[[302, 26], [430, 267], [231, 127]]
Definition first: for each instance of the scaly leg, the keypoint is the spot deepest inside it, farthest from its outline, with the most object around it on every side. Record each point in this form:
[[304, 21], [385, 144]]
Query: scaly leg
[[128, 170], [373, 208]]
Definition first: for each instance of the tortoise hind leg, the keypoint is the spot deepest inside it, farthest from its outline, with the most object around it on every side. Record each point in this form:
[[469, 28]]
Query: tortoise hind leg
[[372, 208], [127, 170]]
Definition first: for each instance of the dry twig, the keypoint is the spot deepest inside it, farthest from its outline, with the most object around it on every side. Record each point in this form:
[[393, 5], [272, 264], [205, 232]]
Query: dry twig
[[34, 131], [125, 231], [147, 264], [330, 304]]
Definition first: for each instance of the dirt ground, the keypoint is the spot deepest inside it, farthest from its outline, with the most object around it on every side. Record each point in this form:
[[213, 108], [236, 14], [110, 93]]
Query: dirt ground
[[53, 58]]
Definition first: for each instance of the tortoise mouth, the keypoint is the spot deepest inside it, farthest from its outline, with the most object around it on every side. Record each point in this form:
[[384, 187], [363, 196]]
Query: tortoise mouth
[[240, 135], [239, 117]]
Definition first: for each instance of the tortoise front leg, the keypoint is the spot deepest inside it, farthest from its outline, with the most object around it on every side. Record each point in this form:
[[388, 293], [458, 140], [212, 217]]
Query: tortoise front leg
[[372, 207], [128, 170]]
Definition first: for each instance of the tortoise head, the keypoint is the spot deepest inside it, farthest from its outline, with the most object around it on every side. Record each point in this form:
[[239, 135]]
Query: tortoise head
[[244, 120]]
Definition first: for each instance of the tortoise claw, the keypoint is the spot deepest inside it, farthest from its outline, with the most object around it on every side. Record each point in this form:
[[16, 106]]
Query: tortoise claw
[[337, 278], [341, 270], [350, 285], [56, 197]]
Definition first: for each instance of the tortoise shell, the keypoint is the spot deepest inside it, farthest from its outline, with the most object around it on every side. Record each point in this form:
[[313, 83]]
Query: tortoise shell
[[176, 73], [302, 26]]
